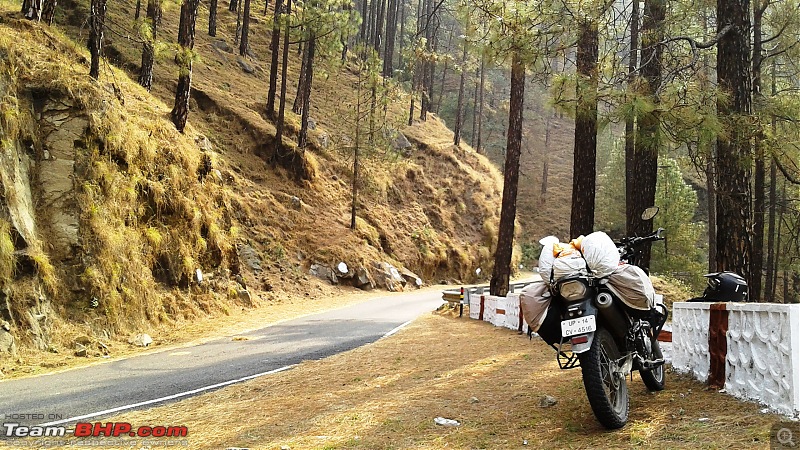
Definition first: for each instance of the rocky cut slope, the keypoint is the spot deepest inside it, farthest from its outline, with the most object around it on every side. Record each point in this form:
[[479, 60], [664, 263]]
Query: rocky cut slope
[[103, 201], [110, 216]]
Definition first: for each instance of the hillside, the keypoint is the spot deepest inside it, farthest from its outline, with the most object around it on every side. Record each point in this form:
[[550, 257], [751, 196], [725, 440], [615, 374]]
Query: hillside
[[111, 217]]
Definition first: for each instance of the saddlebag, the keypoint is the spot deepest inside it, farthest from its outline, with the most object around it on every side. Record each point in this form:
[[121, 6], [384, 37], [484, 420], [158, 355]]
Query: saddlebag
[[534, 301], [632, 285]]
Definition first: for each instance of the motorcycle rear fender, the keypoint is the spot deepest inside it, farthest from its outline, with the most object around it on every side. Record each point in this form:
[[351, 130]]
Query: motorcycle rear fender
[[588, 309]]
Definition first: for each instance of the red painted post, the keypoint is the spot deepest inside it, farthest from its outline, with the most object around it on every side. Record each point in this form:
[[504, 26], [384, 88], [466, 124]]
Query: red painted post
[[717, 343]]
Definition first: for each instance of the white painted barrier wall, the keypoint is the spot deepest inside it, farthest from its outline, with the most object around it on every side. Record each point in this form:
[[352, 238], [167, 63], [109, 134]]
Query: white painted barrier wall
[[512, 311], [690, 339], [763, 350]]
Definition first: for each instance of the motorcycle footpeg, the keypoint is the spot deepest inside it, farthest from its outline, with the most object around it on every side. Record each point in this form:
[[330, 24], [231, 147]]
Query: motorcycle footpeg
[[648, 364]]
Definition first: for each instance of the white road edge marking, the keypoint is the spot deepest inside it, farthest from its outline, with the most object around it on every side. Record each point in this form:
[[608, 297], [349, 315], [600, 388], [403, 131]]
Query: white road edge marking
[[396, 329], [169, 397]]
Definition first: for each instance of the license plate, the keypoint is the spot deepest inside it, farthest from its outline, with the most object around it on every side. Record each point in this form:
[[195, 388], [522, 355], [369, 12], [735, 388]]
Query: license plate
[[581, 325]]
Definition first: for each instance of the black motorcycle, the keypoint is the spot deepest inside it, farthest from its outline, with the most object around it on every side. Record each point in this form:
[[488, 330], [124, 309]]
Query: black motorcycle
[[606, 337]]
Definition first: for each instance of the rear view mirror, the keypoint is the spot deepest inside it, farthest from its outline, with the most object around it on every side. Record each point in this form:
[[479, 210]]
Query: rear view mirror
[[650, 212]]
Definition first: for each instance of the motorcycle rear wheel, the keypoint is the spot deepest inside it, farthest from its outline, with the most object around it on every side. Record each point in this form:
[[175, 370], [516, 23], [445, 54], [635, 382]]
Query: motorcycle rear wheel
[[606, 388], [654, 378]]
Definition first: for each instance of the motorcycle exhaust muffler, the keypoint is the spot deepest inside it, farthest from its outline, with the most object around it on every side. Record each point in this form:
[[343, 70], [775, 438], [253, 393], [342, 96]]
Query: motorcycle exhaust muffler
[[612, 314]]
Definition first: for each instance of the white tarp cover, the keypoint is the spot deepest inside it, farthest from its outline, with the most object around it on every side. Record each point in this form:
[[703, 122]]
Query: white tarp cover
[[633, 286], [601, 254], [571, 264], [534, 300], [546, 258]]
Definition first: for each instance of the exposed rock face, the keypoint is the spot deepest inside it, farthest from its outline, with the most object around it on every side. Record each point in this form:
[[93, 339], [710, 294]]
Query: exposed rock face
[[61, 125], [249, 257], [7, 342]]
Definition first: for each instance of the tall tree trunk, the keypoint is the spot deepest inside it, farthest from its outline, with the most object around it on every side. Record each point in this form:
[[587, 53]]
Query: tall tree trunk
[[475, 109], [373, 13], [501, 274], [712, 208], [233, 6], [444, 73], [362, 34], [282, 108], [245, 29], [391, 36], [546, 159], [631, 214], [770, 279], [460, 107], [180, 112], [778, 250], [302, 138], [97, 18], [585, 154], [757, 262], [148, 48], [138, 12], [478, 142], [648, 137], [773, 182], [356, 155], [379, 22], [48, 11], [238, 35], [734, 225], [274, 46], [427, 78], [402, 8], [212, 18], [297, 106]]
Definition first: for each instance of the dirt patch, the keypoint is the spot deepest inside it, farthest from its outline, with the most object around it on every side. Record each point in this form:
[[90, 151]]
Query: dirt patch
[[387, 394]]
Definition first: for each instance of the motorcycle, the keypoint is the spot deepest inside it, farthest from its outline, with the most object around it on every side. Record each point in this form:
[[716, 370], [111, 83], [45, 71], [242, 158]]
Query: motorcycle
[[606, 337]]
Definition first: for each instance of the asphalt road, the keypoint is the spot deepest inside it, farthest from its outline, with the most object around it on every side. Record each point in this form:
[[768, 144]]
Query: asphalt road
[[91, 393]]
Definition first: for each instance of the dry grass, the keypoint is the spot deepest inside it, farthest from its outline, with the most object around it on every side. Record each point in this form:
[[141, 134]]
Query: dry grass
[[385, 396], [148, 223]]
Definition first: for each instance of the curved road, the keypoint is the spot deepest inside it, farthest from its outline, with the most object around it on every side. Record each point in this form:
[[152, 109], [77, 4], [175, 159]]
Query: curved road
[[98, 391]]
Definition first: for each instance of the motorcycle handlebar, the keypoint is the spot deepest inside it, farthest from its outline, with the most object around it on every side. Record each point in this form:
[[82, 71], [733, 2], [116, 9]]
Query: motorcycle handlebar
[[634, 241]]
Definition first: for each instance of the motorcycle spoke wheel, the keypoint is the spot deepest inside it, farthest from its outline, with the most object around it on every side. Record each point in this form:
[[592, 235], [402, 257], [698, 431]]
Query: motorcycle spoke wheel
[[606, 388]]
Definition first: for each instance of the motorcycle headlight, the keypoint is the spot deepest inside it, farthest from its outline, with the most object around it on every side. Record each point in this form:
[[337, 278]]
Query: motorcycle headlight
[[572, 290]]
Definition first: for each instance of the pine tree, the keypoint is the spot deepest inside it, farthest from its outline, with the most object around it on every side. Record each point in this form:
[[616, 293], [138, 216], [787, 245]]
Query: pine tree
[[148, 48], [180, 112]]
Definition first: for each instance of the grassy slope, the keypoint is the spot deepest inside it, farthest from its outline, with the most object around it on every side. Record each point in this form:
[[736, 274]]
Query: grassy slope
[[435, 211]]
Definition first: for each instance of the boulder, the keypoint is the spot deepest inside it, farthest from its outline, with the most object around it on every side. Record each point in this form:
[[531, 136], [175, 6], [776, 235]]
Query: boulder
[[7, 341], [223, 46], [203, 143], [324, 272], [245, 66], [363, 280], [244, 296], [249, 257], [399, 141], [411, 278], [141, 340], [387, 276]]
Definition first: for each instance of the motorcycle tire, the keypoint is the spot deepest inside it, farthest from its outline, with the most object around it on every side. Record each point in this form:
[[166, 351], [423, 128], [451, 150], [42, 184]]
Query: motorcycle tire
[[654, 378], [606, 390]]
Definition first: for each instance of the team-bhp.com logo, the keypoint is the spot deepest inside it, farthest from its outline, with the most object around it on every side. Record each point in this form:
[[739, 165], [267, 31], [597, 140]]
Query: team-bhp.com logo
[[97, 429]]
